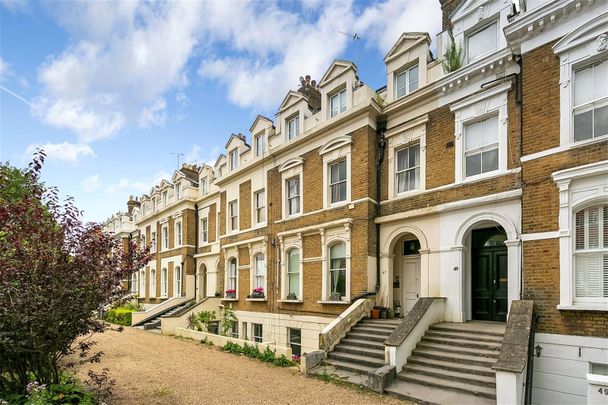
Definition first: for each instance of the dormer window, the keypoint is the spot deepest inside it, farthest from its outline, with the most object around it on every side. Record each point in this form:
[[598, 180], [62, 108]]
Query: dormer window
[[337, 103], [482, 41], [259, 145], [204, 186], [406, 82], [178, 191], [222, 170], [234, 159], [164, 198], [293, 127]]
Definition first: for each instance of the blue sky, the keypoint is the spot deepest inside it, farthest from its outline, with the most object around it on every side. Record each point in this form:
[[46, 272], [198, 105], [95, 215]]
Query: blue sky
[[109, 89]]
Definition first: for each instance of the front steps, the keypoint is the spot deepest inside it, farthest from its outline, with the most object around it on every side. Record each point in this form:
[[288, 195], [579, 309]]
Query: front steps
[[452, 364], [153, 324]]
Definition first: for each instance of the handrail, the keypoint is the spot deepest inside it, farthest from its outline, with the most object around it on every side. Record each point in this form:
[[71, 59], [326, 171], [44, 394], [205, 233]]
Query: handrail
[[336, 330], [530, 367]]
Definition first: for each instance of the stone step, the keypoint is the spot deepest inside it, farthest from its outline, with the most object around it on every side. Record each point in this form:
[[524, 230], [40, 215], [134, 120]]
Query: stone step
[[451, 366], [443, 383], [383, 324], [424, 394], [457, 349], [454, 357], [489, 329], [354, 367], [362, 343], [463, 335], [366, 336], [371, 331], [357, 359], [462, 342], [363, 351], [473, 379]]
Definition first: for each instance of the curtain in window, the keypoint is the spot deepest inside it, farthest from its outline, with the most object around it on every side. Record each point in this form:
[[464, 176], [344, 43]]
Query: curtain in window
[[293, 272], [232, 275], [338, 181], [337, 269], [259, 271]]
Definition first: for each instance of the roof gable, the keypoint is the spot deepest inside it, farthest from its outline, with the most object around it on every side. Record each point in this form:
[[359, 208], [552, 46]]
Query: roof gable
[[337, 68], [236, 139], [290, 99], [469, 6], [596, 29], [261, 122], [406, 41]]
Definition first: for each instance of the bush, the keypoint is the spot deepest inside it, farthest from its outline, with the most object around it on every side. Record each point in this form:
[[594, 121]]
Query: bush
[[268, 356], [55, 273], [68, 391], [120, 316]]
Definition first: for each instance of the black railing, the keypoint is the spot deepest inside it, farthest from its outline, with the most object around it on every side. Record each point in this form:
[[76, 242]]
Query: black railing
[[530, 364]]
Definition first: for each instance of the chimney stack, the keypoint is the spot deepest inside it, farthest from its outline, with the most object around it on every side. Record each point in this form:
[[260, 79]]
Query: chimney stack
[[447, 9], [311, 91], [132, 203]]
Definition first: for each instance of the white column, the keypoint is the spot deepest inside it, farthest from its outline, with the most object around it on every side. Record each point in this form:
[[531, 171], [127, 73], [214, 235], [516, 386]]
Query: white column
[[514, 270], [461, 309], [424, 273], [385, 297]]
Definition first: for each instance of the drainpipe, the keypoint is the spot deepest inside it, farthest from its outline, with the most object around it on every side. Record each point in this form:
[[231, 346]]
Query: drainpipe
[[380, 130], [519, 94], [195, 251]]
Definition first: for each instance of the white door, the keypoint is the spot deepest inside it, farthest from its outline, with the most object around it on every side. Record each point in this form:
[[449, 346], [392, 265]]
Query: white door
[[411, 282]]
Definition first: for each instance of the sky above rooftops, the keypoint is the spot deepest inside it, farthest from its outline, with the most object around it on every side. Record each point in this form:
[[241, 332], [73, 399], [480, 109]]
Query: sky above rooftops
[[110, 89]]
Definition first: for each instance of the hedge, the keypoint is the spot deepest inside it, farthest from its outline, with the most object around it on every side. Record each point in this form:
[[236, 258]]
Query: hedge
[[120, 316]]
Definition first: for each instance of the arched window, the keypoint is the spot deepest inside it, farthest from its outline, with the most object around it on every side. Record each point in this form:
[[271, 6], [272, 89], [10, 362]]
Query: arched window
[[337, 271], [153, 283], [293, 274], [177, 285], [134, 283], [260, 271], [232, 274], [142, 282], [164, 282], [591, 254]]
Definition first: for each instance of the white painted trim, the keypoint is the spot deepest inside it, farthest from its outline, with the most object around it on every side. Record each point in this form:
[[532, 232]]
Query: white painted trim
[[351, 205], [451, 206], [563, 148], [317, 227], [333, 155], [539, 236]]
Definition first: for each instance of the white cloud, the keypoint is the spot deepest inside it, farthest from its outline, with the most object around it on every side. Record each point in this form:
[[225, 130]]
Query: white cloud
[[65, 151], [14, 5], [128, 54], [195, 155], [139, 186], [7, 74], [91, 183]]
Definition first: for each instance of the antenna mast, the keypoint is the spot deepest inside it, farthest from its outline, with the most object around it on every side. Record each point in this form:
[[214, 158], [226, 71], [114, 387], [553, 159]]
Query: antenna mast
[[177, 155]]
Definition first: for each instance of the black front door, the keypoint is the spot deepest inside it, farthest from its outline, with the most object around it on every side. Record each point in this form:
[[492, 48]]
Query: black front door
[[489, 276]]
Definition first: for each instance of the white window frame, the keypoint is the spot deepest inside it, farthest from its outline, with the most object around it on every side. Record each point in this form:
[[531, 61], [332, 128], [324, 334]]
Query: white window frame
[[290, 343], [481, 149], [233, 159], [255, 336], [399, 172], [153, 245], [177, 281], [289, 197], [259, 273], [579, 188], [476, 31], [257, 210], [164, 282], [141, 292], [600, 102], [329, 238], [576, 50], [407, 72], [337, 149], [341, 107], [601, 250], [229, 278], [289, 169], [178, 191], [287, 246], [204, 185], [152, 288], [165, 237], [296, 127], [178, 233], [479, 106], [339, 182], [259, 144], [165, 199], [134, 282], [204, 230], [330, 270], [233, 215]]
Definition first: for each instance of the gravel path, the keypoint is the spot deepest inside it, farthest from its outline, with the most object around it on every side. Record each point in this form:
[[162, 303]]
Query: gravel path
[[153, 369]]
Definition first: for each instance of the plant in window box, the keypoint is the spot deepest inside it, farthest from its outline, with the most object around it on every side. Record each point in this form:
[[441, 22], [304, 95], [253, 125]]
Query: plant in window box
[[292, 296], [335, 296], [230, 293], [257, 293]]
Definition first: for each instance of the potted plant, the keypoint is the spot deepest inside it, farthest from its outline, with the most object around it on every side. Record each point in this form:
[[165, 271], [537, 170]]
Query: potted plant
[[375, 313], [257, 293], [335, 296], [383, 313], [231, 294], [292, 296]]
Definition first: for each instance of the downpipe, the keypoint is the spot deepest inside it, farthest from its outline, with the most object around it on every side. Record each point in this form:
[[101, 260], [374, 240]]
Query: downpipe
[[380, 130]]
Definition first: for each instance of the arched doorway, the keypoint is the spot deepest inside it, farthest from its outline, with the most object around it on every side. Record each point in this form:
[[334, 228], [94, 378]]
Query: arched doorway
[[489, 274], [201, 282], [406, 273]]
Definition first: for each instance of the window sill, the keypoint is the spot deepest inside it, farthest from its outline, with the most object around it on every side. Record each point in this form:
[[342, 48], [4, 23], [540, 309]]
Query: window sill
[[334, 302], [489, 175], [229, 299], [291, 301], [584, 307], [257, 299]]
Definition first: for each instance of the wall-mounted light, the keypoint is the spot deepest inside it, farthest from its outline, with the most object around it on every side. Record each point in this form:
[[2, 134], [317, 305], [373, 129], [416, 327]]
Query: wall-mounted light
[[538, 350]]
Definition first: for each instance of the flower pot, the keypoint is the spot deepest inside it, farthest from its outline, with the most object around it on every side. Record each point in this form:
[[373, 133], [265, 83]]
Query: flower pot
[[390, 313], [257, 295], [383, 313], [375, 314], [231, 295]]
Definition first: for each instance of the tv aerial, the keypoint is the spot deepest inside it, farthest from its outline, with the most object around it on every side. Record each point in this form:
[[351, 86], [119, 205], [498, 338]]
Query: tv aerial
[[354, 37]]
